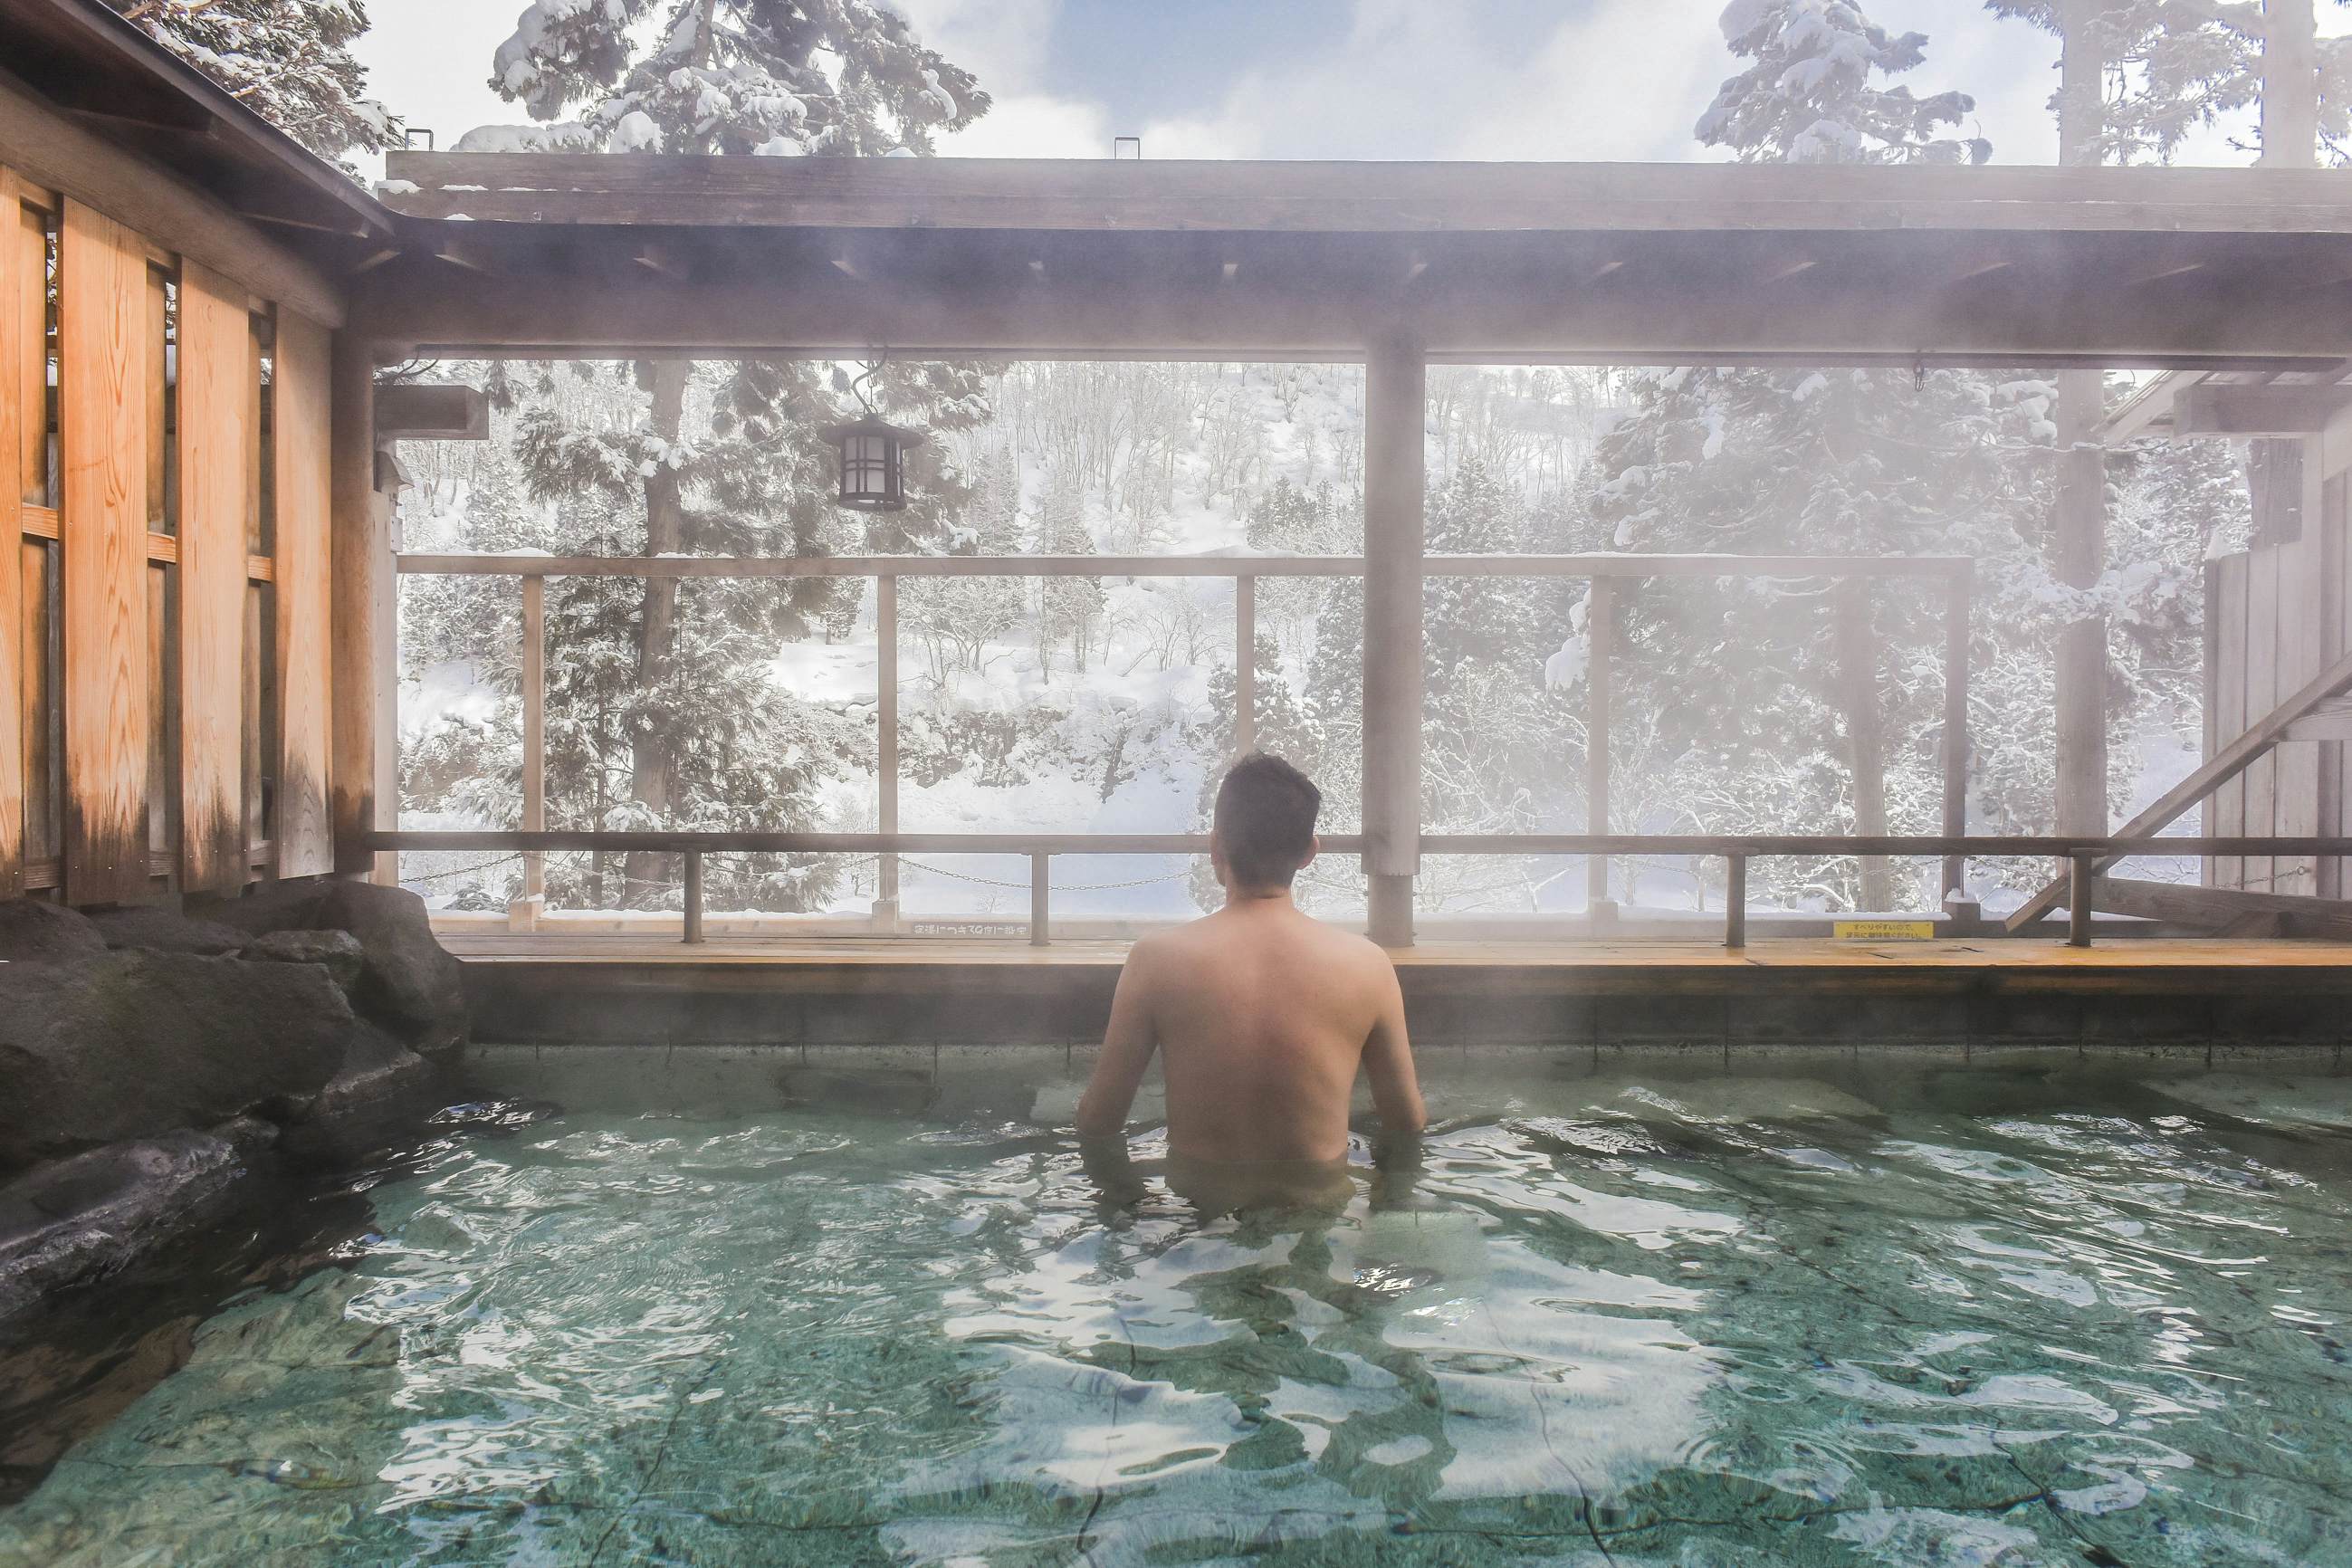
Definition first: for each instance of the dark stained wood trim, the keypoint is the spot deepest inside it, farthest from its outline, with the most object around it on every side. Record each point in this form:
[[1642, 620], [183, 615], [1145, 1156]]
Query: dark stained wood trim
[[47, 148]]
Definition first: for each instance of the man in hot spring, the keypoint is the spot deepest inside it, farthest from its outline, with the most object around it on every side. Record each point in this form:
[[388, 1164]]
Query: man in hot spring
[[1263, 1015]]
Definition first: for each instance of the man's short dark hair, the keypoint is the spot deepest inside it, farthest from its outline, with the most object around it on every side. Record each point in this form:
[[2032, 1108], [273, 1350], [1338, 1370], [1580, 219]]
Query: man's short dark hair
[[1266, 820]]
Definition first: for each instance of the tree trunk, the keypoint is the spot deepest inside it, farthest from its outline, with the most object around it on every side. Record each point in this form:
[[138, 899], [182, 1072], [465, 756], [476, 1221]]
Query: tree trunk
[[653, 747]]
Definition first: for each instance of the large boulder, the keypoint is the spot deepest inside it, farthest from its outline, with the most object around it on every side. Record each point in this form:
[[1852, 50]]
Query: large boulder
[[339, 951], [72, 1221], [32, 932], [131, 1044], [409, 982], [161, 930]]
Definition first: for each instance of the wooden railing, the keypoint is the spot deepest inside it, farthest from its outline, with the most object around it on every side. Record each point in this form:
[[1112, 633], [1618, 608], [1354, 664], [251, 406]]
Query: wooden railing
[[2082, 857], [1603, 571]]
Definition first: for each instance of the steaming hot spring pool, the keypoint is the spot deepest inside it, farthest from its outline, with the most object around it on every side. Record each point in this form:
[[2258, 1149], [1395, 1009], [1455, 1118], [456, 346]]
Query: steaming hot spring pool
[[1652, 1308]]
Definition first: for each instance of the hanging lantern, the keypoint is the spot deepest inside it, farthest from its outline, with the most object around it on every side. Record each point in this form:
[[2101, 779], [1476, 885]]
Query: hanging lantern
[[873, 463]]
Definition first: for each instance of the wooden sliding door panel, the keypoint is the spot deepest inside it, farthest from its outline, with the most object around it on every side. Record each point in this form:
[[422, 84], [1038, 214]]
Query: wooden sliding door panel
[[300, 450], [104, 364], [217, 398]]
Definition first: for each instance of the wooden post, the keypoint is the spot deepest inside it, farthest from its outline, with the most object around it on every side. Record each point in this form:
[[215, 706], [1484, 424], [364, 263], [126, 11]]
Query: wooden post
[[1600, 631], [2080, 525], [523, 913], [1395, 392], [693, 910], [1735, 901], [1958, 609], [885, 734], [1040, 900], [1865, 737], [360, 590], [2082, 870], [1244, 666]]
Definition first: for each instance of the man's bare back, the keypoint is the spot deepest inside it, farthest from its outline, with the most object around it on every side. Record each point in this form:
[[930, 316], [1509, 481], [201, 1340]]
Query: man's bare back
[[1263, 1017]]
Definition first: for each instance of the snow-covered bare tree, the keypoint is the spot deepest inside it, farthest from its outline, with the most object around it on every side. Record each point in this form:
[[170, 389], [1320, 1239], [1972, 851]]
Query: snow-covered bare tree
[[288, 60]]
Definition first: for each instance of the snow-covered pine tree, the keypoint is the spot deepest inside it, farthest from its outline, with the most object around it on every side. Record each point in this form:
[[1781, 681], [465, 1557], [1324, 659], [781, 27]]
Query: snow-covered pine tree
[[767, 77], [1758, 723], [1811, 93], [289, 62]]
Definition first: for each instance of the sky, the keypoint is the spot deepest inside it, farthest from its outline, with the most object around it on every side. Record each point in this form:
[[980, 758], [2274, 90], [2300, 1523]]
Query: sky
[[1489, 80]]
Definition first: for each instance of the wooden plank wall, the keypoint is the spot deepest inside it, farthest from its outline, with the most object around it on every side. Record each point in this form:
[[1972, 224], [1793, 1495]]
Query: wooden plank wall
[[145, 651], [2276, 617]]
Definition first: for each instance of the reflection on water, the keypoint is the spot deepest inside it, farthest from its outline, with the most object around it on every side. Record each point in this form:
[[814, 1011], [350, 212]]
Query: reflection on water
[[1640, 1313]]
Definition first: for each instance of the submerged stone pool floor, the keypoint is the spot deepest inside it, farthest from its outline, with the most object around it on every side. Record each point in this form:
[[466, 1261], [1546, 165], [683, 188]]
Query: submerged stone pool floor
[[1636, 1308]]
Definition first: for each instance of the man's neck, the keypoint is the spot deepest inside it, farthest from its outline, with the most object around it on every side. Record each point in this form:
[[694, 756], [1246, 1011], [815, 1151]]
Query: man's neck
[[1259, 899]]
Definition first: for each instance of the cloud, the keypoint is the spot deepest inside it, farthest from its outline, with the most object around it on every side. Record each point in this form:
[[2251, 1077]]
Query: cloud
[[1625, 79], [1034, 125]]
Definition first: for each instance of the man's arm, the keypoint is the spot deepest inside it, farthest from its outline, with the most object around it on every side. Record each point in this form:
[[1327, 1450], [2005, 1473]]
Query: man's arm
[[1388, 1060], [1126, 1050]]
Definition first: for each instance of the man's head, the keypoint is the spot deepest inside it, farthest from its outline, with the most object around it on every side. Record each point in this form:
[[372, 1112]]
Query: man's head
[[1264, 829]]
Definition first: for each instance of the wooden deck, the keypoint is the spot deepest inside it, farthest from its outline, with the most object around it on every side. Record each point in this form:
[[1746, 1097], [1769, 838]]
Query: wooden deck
[[562, 987]]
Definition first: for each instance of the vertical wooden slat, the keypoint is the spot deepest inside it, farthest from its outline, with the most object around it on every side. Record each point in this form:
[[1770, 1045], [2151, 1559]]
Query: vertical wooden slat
[[299, 453], [38, 723], [2228, 816], [218, 375], [2325, 523], [17, 423], [102, 428], [2262, 695], [1958, 613]]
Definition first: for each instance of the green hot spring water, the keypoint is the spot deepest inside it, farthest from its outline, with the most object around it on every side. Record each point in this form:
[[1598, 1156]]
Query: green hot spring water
[[716, 1307]]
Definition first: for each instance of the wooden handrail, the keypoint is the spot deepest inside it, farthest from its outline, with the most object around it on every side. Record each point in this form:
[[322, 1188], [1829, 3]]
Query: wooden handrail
[[1601, 565], [2081, 855]]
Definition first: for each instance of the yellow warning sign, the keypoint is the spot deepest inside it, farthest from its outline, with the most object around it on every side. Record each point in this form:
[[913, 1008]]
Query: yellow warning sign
[[1885, 930]]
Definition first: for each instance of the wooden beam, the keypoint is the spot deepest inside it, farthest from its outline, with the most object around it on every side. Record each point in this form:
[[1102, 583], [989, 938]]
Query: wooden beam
[[1365, 196], [300, 445], [1684, 298], [362, 593], [2213, 410], [432, 411], [105, 360], [46, 147], [2219, 908], [215, 361], [2224, 766]]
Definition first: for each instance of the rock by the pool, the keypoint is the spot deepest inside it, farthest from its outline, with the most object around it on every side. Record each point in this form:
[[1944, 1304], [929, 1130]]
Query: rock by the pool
[[77, 1220], [32, 932], [160, 929], [410, 984], [339, 951], [129, 1044]]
